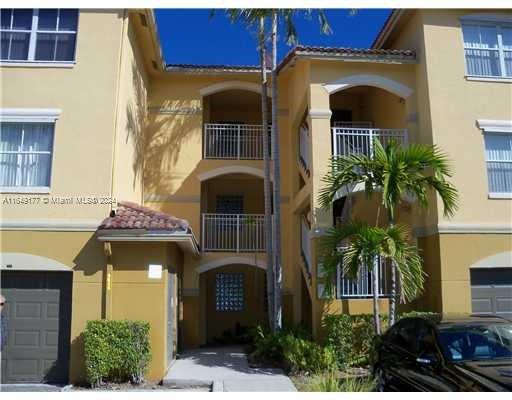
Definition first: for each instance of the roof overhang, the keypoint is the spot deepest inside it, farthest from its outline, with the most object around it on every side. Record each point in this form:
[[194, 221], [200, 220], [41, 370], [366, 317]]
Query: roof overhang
[[354, 55], [387, 28], [185, 240]]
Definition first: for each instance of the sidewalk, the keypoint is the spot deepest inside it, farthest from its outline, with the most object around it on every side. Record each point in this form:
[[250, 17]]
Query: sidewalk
[[225, 369]]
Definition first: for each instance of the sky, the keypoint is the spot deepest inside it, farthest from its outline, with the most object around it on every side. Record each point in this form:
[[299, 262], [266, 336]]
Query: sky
[[190, 36]]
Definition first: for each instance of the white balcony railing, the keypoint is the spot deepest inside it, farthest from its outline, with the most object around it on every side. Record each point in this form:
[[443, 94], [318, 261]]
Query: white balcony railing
[[305, 244], [304, 147], [347, 140], [362, 287], [233, 232], [233, 141]]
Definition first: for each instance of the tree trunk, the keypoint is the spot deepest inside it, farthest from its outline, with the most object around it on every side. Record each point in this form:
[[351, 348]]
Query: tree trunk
[[276, 234], [392, 298], [266, 180], [376, 311]]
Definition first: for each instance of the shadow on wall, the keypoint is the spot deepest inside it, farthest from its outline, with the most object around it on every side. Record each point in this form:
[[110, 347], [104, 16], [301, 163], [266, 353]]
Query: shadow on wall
[[165, 137], [136, 121]]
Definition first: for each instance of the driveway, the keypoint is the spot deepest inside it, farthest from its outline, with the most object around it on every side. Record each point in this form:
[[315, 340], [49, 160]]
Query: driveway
[[225, 369]]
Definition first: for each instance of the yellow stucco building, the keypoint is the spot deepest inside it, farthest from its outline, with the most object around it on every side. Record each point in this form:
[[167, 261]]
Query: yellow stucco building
[[134, 189]]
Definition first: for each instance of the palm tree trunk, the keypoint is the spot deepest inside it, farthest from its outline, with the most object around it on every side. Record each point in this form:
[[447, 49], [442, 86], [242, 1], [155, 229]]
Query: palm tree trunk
[[276, 234], [376, 311], [392, 298], [266, 180]]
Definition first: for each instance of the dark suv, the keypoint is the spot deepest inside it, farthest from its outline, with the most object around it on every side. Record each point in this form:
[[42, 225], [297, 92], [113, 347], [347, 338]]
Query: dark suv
[[446, 354]]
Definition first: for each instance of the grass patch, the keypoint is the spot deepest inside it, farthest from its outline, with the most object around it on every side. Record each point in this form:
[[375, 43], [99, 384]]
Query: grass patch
[[332, 382]]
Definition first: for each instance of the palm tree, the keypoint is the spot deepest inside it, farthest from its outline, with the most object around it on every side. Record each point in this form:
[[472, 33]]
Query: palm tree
[[356, 243], [397, 172], [252, 17]]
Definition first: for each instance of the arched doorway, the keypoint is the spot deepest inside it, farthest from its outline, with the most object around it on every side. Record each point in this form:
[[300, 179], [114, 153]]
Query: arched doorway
[[233, 297]]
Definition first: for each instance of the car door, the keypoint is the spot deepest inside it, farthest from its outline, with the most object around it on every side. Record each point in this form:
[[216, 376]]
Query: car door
[[429, 372], [396, 356]]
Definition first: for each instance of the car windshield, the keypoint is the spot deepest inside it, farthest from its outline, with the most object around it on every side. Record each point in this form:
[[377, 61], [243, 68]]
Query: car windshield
[[470, 342]]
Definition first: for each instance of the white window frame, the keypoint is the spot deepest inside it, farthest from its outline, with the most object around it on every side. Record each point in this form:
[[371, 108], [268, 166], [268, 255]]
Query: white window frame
[[495, 127], [488, 20], [31, 61], [24, 115]]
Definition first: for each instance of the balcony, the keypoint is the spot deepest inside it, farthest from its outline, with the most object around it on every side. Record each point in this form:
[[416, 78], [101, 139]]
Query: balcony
[[355, 140], [233, 232], [233, 141], [362, 286]]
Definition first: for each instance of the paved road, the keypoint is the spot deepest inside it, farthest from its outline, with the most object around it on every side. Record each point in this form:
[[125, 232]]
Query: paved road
[[226, 369]]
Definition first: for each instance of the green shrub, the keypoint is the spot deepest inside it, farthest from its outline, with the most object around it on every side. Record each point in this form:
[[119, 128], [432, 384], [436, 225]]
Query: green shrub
[[352, 337], [292, 349], [116, 351]]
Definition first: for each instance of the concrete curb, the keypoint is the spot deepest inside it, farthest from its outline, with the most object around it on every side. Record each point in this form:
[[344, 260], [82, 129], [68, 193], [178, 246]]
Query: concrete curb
[[186, 383]]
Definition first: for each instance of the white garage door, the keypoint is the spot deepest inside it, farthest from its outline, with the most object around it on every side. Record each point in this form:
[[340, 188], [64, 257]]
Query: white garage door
[[491, 291]]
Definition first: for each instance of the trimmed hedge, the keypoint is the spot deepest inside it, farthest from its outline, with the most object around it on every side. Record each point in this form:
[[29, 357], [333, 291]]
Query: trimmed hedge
[[116, 351], [353, 339]]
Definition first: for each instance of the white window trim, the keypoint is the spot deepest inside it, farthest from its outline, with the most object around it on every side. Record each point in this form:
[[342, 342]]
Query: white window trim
[[29, 114], [31, 62], [44, 115], [498, 22], [488, 78], [495, 127]]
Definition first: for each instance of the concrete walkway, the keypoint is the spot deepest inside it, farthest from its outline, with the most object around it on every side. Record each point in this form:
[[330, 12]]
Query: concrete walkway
[[226, 369]]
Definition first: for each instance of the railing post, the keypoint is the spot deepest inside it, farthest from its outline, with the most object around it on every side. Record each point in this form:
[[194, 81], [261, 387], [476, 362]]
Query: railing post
[[238, 233], [238, 142], [371, 142], [203, 235]]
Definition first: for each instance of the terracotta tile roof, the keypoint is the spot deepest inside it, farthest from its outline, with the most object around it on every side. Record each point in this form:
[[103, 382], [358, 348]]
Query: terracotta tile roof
[[211, 68], [133, 216], [346, 52]]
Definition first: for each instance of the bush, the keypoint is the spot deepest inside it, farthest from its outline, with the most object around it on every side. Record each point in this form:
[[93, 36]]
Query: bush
[[116, 351], [353, 336], [331, 382], [293, 350]]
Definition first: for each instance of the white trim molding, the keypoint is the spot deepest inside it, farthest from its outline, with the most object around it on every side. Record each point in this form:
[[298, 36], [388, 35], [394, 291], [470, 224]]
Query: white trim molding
[[25, 189], [88, 225], [232, 169], [30, 262], [463, 228], [29, 114], [230, 85], [495, 125], [496, 79], [498, 260], [320, 113], [381, 82], [250, 261], [37, 64]]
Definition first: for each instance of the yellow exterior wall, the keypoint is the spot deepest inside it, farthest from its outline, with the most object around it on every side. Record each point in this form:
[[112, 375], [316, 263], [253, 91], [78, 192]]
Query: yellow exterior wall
[[130, 116], [454, 118], [86, 96], [84, 255], [135, 296]]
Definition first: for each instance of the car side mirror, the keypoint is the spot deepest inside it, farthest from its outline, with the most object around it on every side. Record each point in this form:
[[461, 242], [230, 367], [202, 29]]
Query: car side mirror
[[427, 360]]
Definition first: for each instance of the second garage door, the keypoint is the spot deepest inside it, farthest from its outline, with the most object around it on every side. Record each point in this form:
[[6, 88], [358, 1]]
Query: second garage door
[[38, 313], [491, 291]]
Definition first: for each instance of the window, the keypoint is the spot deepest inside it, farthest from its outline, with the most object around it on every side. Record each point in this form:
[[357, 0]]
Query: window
[[42, 35], [498, 157], [229, 204], [26, 149], [362, 286], [488, 49], [229, 291]]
